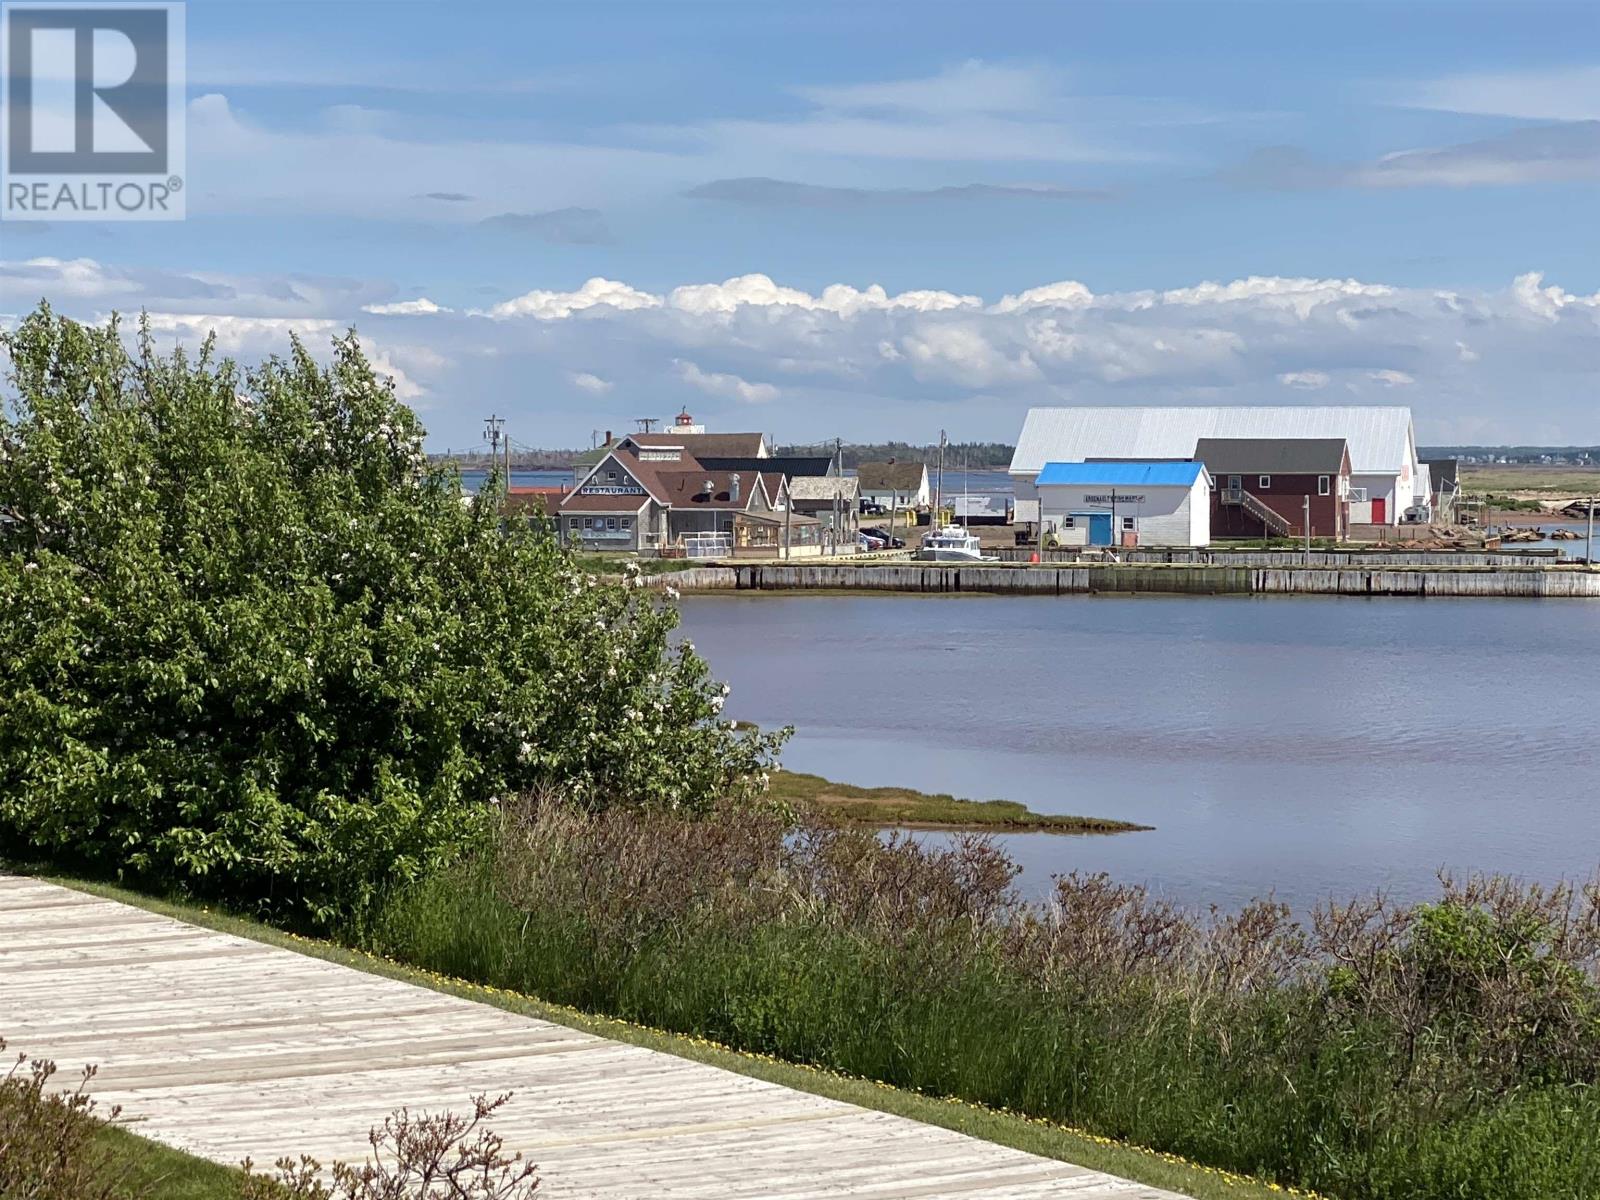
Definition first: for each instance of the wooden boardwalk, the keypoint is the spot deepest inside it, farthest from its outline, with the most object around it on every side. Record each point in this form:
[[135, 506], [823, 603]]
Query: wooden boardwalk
[[231, 1048]]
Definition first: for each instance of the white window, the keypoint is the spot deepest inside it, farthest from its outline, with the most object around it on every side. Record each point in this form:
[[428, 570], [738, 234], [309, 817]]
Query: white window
[[627, 522], [572, 524], [611, 476], [1323, 485], [1358, 495], [611, 522], [1213, 483], [588, 523], [1265, 482], [1127, 523], [1069, 522]]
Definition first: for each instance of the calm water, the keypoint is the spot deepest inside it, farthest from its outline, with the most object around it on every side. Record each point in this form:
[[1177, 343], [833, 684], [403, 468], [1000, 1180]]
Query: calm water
[[1308, 746], [473, 480]]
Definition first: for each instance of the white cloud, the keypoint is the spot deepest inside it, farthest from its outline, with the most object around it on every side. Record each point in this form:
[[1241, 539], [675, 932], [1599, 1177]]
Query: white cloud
[[242, 335], [1306, 380], [858, 359], [1067, 294], [421, 306], [970, 87], [1547, 302], [1552, 94], [760, 290], [718, 383], [553, 306]]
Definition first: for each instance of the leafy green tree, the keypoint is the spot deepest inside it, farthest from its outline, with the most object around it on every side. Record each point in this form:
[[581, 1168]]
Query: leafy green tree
[[254, 646]]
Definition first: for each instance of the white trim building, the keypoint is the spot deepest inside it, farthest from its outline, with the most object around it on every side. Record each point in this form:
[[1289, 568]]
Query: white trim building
[[894, 485], [1125, 503], [1385, 471]]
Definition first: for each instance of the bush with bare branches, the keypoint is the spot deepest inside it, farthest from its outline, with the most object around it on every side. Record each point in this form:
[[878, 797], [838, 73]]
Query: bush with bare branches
[[415, 1156], [47, 1146]]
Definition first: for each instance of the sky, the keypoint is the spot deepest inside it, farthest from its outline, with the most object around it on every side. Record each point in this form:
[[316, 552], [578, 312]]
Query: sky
[[879, 220]]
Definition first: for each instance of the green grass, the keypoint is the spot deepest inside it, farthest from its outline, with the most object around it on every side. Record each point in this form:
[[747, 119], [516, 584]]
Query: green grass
[[1550, 482], [191, 1179], [907, 808], [144, 1168]]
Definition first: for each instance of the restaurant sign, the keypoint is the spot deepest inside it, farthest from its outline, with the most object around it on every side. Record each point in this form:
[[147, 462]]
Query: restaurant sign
[[1114, 498], [610, 489]]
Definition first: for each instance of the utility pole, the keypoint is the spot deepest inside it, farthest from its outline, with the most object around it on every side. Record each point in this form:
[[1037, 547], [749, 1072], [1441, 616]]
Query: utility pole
[[838, 495], [1589, 551], [1307, 510], [491, 434]]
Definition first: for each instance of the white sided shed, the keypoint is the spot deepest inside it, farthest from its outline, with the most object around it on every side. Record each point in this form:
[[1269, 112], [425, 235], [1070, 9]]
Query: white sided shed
[[1383, 448], [1117, 503]]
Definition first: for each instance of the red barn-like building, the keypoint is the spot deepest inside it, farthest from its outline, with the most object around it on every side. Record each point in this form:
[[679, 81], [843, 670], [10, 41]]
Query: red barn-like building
[[1265, 486]]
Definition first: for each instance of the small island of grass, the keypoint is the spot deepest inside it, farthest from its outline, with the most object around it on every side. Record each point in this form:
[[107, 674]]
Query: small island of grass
[[907, 808]]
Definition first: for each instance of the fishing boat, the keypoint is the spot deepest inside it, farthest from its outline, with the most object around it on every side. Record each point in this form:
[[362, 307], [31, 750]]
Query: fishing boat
[[952, 543]]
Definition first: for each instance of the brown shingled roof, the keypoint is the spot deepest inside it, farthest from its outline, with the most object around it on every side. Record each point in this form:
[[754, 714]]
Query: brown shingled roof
[[890, 476], [686, 488]]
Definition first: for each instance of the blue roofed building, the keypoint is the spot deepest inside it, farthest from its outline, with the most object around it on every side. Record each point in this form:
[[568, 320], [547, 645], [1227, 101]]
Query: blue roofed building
[[1158, 503]]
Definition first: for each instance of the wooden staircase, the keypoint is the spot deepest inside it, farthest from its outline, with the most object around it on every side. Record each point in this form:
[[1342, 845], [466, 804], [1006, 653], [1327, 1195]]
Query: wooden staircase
[[1272, 520]]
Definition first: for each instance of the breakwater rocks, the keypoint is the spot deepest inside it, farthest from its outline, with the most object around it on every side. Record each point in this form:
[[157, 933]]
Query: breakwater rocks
[[927, 578]]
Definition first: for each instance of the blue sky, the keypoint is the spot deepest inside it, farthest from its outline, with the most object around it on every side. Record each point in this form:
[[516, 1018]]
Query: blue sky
[[1061, 203]]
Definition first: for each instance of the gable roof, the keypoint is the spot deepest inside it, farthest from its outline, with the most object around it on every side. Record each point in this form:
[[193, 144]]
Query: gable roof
[[736, 445], [1267, 456], [892, 476], [1381, 441], [806, 488], [1122, 474], [644, 472], [686, 489]]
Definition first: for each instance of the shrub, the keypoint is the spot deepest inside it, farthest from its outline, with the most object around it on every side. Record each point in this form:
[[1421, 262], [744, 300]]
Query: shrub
[[443, 1156], [257, 647], [47, 1148]]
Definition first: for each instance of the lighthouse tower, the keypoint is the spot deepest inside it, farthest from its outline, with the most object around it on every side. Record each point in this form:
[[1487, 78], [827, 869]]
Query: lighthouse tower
[[685, 424]]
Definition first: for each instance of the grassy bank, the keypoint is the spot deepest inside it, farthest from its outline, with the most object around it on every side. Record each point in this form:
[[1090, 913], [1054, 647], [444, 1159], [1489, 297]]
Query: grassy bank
[[1530, 480], [1442, 1052], [188, 1178], [907, 808]]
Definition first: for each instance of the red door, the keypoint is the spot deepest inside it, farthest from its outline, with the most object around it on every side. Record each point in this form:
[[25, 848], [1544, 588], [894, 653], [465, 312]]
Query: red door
[[1380, 514]]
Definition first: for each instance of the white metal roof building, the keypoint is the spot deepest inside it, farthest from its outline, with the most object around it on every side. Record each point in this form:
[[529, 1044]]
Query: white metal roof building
[[1383, 449]]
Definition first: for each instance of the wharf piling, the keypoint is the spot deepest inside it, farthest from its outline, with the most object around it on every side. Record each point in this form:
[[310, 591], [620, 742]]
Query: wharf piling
[[1176, 579]]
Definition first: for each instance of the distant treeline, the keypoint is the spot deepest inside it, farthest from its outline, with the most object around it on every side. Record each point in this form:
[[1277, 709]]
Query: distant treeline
[[1530, 454], [976, 454], [521, 459]]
